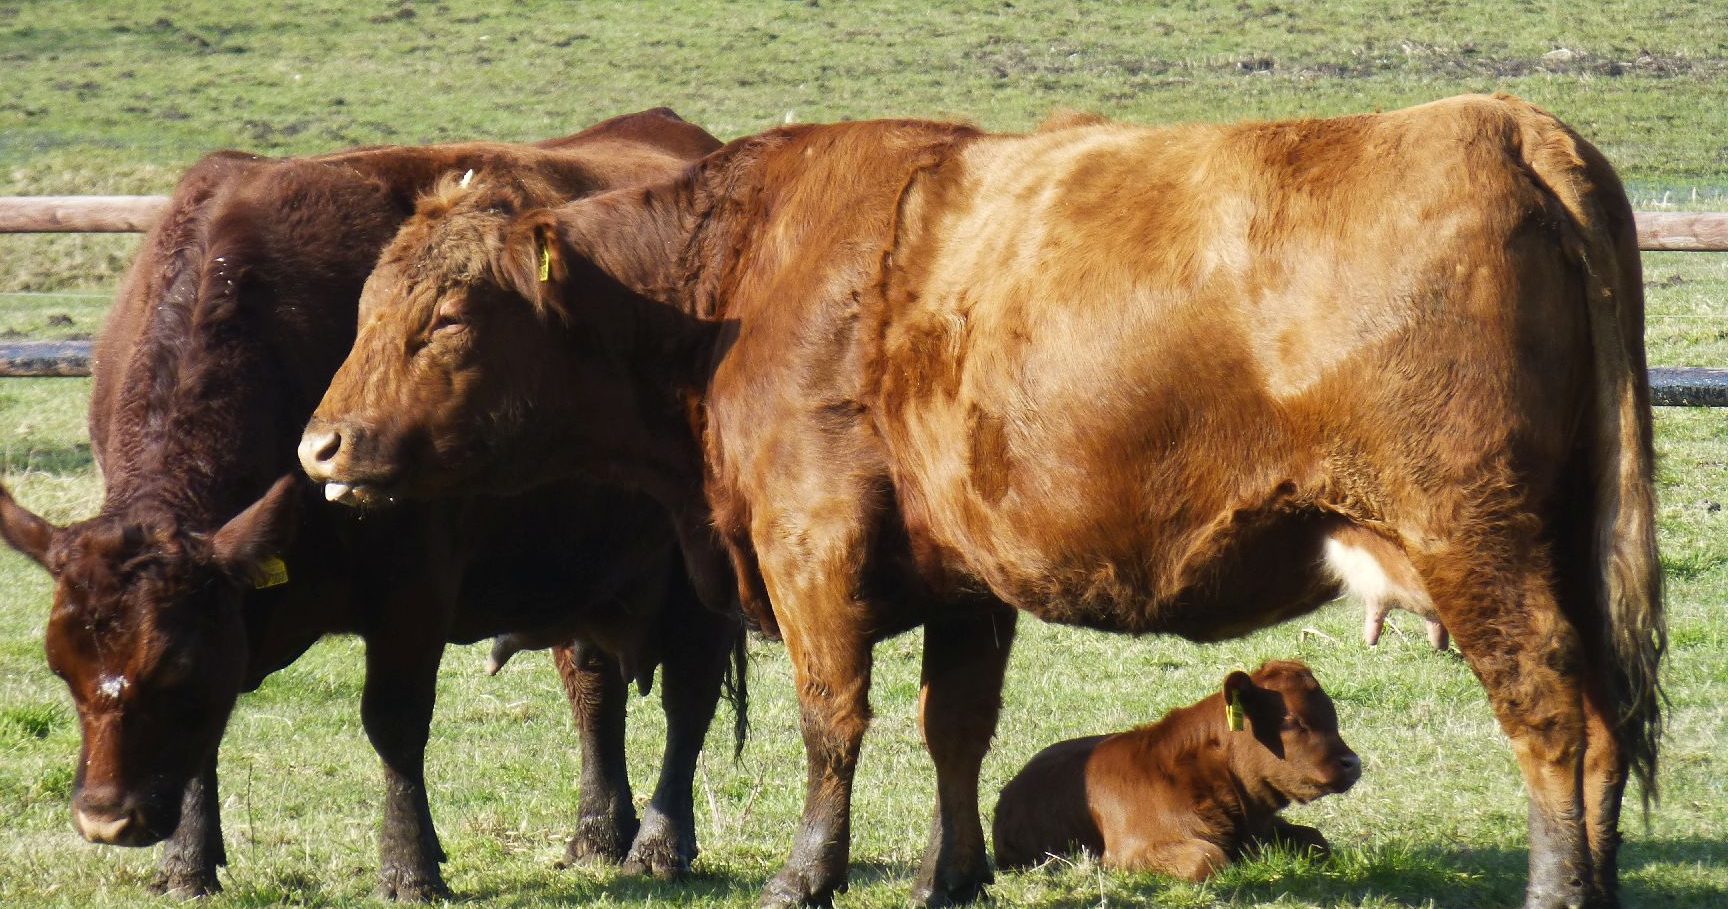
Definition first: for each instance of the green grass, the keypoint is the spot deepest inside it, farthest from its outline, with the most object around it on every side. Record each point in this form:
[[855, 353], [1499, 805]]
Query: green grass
[[118, 97]]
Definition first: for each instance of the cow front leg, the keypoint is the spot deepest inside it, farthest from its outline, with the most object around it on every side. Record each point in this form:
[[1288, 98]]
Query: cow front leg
[[1509, 627], [831, 668], [605, 816], [964, 660], [697, 647], [187, 868], [396, 709]]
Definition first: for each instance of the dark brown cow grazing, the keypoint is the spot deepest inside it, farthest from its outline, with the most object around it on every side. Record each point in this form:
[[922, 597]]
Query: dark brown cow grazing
[[238, 309], [1143, 380], [1188, 794]]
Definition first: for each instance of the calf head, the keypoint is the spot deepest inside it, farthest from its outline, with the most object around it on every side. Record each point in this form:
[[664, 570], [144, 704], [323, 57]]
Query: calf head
[[146, 630], [1289, 738], [465, 375]]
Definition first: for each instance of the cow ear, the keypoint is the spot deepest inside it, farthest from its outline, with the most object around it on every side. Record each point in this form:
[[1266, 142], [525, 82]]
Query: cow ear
[[535, 260], [249, 547], [24, 530]]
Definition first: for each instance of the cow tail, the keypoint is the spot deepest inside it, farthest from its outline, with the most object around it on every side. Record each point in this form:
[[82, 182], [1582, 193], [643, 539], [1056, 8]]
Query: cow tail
[[737, 690], [1601, 238]]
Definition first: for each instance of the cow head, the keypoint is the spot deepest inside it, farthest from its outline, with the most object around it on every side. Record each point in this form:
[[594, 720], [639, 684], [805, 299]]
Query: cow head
[[146, 631], [1289, 738], [467, 373]]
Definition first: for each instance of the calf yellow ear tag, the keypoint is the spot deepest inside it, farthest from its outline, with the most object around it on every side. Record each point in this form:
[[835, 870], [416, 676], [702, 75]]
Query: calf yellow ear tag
[[545, 263], [272, 572], [1233, 712]]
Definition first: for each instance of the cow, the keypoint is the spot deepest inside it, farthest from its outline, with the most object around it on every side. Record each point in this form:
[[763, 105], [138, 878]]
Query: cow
[[1128, 378], [1190, 793], [191, 584]]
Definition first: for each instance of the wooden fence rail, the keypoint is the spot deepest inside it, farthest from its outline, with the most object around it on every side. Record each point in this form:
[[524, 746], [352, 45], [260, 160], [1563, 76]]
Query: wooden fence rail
[[1657, 231]]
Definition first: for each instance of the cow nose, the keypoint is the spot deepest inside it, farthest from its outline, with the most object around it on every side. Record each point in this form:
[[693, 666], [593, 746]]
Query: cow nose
[[319, 448], [98, 829]]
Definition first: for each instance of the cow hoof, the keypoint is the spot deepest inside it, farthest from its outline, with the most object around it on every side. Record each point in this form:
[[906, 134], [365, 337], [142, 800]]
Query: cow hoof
[[662, 849], [958, 890], [405, 886], [600, 840], [185, 885], [789, 888]]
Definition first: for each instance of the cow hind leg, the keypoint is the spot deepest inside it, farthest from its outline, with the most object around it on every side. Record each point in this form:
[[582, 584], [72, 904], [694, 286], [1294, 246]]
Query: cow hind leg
[[605, 816], [191, 856], [691, 678], [1499, 602], [1605, 771], [831, 669], [964, 660]]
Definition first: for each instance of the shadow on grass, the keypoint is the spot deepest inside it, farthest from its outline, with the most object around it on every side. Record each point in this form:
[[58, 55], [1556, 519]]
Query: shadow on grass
[[55, 459], [1463, 878], [705, 887]]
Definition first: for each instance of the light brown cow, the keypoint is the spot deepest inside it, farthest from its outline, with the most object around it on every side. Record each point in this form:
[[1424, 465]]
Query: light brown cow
[[1190, 793], [1127, 378]]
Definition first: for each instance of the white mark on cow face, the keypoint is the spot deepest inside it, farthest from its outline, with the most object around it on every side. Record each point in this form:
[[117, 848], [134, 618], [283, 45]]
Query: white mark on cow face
[[112, 685]]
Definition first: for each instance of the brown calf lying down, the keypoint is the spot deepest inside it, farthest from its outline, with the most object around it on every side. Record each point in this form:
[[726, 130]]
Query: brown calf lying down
[[1187, 794]]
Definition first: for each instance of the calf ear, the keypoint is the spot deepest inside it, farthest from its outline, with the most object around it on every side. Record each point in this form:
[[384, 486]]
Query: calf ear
[[535, 260], [1236, 687], [249, 546], [23, 530]]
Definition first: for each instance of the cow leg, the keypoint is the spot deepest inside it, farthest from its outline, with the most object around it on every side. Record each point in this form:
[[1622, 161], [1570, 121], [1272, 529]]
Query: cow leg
[[1605, 770], [605, 815], [396, 709], [1509, 627], [191, 856], [692, 674], [831, 669], [964, 659]]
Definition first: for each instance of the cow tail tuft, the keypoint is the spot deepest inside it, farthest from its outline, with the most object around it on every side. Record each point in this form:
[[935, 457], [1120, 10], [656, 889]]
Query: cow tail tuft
[[737, 690]]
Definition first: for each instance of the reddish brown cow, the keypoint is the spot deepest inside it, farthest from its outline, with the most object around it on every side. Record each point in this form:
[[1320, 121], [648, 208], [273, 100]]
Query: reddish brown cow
[[1135, 379], [1190, 793], [235, 314]]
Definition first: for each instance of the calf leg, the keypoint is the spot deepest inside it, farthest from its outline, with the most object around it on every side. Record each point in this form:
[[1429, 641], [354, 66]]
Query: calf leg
[[190, 857], [1297, 838], [691, 678], [964, 659], [1498, 602], [1189, 859], [605, 816], [396, 708]]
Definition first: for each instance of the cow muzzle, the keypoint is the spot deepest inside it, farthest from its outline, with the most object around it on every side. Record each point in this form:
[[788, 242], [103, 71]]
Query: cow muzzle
[[327, 455], [125, 827]]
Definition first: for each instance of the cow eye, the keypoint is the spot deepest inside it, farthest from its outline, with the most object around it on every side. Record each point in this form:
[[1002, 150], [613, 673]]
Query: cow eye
[[447, 321]]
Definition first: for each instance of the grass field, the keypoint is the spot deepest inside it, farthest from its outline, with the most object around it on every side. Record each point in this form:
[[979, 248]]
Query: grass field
[[119, 96]]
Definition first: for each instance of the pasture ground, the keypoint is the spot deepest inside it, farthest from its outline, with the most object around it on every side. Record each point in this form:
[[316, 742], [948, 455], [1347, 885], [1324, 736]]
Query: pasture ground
[[118, 97]]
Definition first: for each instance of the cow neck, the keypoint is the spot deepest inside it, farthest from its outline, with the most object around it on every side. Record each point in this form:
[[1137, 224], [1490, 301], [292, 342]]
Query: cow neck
[[637, 237], [199, 411]]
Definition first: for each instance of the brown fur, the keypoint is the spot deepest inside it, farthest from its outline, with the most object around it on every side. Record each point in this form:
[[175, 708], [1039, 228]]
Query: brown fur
[[1128, 378], [1185, 795], [238, 308]]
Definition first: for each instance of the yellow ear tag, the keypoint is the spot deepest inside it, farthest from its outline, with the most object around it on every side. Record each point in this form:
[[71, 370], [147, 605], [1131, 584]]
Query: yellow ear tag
[[1233, 712], [545, 263], [272, 572]]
